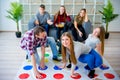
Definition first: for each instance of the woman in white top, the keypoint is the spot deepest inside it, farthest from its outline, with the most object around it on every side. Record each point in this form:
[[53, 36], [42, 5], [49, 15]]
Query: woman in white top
[[78, 51], [96, 41]]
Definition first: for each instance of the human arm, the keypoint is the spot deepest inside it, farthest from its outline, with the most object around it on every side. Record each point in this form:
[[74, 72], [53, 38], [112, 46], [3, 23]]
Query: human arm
[[49, 21], [76, 27], [42, 63], [36, 72], [86, 17], [36, 22], [68, 17], [73, 73], [98, 48]]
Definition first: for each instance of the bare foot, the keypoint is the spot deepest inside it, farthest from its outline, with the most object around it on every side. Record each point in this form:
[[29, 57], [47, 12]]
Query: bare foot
[[38, 75], [74, 75]]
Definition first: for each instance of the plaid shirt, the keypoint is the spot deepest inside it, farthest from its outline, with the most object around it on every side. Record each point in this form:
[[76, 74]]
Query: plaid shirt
[[60, 19], [29, 42]]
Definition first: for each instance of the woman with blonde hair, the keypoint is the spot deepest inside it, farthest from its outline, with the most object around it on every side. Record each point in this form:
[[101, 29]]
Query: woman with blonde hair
[[78, 51], [82, 26]]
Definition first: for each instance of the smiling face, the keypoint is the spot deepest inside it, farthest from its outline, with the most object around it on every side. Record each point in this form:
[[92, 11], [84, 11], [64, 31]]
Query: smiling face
[[62, 10], [41, 10], [96, 32], [82, 13], [65, 41]]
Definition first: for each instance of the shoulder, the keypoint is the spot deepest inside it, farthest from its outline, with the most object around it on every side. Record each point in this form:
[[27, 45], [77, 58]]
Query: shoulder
[[46, 13], [38, 13], [75, 17], [29, 35], [87, 22]]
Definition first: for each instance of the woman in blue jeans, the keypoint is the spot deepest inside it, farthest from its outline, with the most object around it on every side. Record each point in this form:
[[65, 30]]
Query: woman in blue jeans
[[78, 51]]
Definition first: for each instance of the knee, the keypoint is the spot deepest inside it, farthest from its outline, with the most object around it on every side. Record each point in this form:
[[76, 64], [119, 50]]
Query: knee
[[50, 40], [99, 62]]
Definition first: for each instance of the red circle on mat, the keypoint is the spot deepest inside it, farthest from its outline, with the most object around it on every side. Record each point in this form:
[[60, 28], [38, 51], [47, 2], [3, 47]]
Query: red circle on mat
[[24, 76], [95, 75], [58, 76], [109, 75], [77, 77], [43, 76]]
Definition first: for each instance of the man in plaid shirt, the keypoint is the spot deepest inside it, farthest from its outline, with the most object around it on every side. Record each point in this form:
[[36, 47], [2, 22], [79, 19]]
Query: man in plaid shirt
[[31, 40]]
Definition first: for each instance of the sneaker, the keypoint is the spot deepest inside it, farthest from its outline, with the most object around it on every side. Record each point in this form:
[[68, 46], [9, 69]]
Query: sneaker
[[91, 74], [26, 57], [68, 66], [102, 67], [56, 59], [87, 67]]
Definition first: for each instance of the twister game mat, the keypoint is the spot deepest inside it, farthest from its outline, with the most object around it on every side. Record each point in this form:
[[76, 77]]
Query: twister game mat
[[53, 72]]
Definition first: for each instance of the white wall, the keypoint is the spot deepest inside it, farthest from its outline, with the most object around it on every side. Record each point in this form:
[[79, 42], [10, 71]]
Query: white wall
[[9, 25], [5, 23], [114, 25]]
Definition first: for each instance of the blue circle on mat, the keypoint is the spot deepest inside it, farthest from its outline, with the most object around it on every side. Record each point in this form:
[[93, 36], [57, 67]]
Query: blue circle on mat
[[27, 67], [76, 68], [57, 68], [41, 68]]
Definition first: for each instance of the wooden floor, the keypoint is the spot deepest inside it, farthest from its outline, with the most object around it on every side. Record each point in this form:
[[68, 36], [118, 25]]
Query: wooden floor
[[12, 56]]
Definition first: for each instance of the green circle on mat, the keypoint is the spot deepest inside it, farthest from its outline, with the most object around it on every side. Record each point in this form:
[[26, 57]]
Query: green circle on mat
[[59, 55], [46, 54]]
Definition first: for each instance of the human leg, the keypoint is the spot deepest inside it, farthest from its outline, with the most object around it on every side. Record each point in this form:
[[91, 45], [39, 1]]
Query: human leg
[[83, 33], [58, 33], [97, 58], [47, 28], [89, 59], [51, 42], [37, 58], [74, 33]]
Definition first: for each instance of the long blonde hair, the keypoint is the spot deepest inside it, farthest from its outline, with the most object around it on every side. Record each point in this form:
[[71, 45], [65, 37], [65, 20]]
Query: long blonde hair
[[72, 54], [101, 36]]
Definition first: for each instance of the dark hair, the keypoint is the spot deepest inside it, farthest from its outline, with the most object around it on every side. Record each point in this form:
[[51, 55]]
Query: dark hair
[[42, 6], [83, 10], [38, 29]]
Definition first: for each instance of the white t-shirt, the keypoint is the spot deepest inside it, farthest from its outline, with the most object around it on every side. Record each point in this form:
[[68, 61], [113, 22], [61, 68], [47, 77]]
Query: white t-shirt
[[92, 41]]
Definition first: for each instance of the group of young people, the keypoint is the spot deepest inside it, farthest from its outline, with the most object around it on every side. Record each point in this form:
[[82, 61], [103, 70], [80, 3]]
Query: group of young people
[[89, 49]]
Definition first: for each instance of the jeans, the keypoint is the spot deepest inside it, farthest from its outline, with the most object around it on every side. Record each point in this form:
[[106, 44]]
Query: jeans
[[93, 59], [51, 42], [61, 30], [37, 58], [46, 27]]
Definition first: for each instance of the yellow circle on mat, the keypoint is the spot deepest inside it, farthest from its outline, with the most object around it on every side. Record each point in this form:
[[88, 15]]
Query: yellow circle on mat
[[28, 60], [46, 60]]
